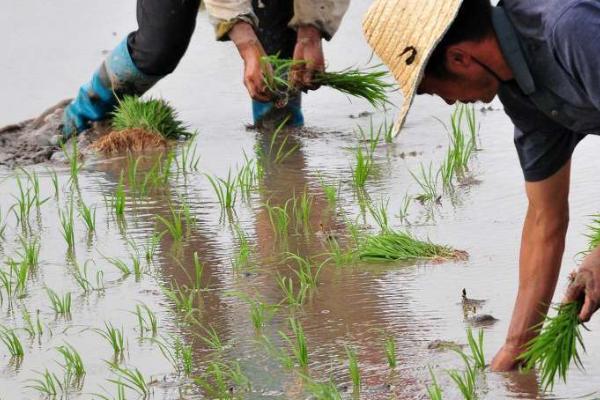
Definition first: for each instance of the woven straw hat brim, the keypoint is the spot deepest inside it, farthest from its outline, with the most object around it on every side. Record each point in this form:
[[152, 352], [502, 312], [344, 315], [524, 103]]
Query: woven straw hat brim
[[403, 34]]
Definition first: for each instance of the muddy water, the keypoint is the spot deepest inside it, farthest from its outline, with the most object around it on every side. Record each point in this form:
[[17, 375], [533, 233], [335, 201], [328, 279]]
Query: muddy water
[[51, 48]]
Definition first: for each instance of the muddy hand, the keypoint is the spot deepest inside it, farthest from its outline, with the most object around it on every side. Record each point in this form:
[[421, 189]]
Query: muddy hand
[[506, 359], [251, 51], [585, 285], [309, 54]]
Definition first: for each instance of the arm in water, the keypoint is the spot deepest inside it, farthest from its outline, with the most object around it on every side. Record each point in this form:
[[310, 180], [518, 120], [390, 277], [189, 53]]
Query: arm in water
[[542, 246]]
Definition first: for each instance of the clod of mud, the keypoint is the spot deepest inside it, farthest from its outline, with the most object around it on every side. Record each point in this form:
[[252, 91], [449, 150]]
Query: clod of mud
[[481, 320], [129, 140], [443, 345]]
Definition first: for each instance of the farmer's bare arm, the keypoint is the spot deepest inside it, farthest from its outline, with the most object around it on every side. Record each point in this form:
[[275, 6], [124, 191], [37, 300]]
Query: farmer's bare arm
[[586, 285], [542, 246]]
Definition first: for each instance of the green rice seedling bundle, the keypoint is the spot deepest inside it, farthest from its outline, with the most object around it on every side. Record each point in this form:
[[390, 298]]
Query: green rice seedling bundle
[[142, 124], [557, 346], [594, 232], [395, 245], [131, 378], [11, 342], [368, 84]]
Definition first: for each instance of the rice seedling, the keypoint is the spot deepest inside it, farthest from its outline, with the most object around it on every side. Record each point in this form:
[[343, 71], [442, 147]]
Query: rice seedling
[[339, 255], [198, 272], [67, 224], [188, 159], [120, 265], [301, 209], [153, 115], [353, 368], [73, 365], [396, 245], [558, 344], [298, 345], [131, 378], [225, 189], [290, 296], [80, 274], [48, 384], [183, 298], [247, 177], [307, 275], [476, 346], [12, 343], [322, 390], [119, 396], [114, 337], [34, 184], [152, 246], [461, 147], [147, 321], [25, 203], [380, 214], [362, 168], [465, 381], [179, 354], [33, 329], [242, 257], [60, 305], [280, 220], [281, 153], [368, 84], [212, 339], [428, 182], [88, 215], [118, 199], [594, 232], [74, 161], [447, 171], [434, 390], [389, 348], [174, 225], [55, 184], [223, 380], [330, 192], [20, 270], [2, 225], [403, 212], [8, 285], [261, 313]]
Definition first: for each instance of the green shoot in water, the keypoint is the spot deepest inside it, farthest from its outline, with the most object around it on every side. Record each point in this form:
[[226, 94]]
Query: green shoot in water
[[73, 365], [178, 353], [30, 251], [88, 215], [74, 161], [48, 384], [131, 378], [395, 245], [154, 115], [389, 347], [60, 305], [403, 212], [322, 390], [223, 381], [476, 346], [174, 225], [280, 220], [118, 199], [183, 298], [282, 152], [558, 344], [12, 343], [212, 339], [242, 256], [147, 321], [428, 182], [380, 214], [188, 159], [331, 194], [20, 270], [434, 390], [25, 203], [114, 336], [362, 168], [301, 209], [226, 190], [67, 224], [465, 381], [339, 255], [353, 368], [298, 345], [292, 297], [308, 276]]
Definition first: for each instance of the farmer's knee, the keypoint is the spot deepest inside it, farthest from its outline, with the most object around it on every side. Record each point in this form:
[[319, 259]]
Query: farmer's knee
[[164, 33]]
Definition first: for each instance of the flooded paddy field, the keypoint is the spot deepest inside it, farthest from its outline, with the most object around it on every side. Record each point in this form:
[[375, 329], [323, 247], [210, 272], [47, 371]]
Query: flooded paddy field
[[127, 266]]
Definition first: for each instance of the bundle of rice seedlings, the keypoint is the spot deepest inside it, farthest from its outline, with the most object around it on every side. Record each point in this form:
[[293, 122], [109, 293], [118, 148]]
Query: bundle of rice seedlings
[[142, 124], [369, 84], [558, 344], [393, 245]]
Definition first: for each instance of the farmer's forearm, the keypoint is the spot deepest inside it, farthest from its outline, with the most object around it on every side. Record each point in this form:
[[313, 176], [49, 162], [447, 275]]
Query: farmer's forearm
[[542, 247], [245, 39]]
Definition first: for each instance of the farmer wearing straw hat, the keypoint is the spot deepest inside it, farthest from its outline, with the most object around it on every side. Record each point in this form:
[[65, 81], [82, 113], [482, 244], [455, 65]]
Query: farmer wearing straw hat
[[540, 57]]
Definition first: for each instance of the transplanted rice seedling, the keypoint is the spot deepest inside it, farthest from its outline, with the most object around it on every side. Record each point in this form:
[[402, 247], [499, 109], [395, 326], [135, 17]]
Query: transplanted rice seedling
[[147, 321], [353, 368], [292, 297], [428, 182], [88, 215], [280, 220], [48, 384], [114, 336], [73, 366], [188, 159], [178, 353], [301, 209], [60, 305], [403, 212], [55, 184], [242, 256], [131, 378], [434, 390], [74, 161], [476, 346], [212, 339], [247, 177], [280, 153], [118, 199], [339, 255], [11, 342], [67, 224], [20, 271], [298, 345], [558, 344], [465, 381], [32, 329], [34, 183], [322, 390], [331, 193], [182, 297], [261, 313], [396, 245], [226, 190], [380, 214], [389, 347], [368, 84], [362, 168], [174, 225], [223, 380], [461, 145], [30, 251], [25, 203], [308, 276]]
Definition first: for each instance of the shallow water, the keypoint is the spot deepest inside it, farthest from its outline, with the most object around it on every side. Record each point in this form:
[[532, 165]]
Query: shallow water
[[356, 306]]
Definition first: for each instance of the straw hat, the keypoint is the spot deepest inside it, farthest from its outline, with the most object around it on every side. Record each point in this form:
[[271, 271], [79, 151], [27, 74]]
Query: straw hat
[[403, 34]]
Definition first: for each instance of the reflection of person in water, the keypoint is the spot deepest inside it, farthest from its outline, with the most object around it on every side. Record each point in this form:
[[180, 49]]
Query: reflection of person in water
[[153, 51], [541, 59]]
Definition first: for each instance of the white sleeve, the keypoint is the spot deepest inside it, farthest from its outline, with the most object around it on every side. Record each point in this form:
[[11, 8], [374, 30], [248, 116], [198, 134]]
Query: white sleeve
[[223, 14], [325, 15]]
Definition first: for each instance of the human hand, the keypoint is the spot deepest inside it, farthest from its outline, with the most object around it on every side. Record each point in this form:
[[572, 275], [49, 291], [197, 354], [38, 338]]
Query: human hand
[[309, 56], [506, 359], [585, 285], [251, 51]]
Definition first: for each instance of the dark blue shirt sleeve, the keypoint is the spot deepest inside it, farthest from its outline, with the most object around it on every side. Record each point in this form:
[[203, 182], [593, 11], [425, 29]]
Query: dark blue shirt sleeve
[[576, 42]]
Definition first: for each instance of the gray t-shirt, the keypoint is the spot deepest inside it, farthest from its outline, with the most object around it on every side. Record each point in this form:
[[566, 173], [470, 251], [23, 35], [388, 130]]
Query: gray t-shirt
[[553, 48]]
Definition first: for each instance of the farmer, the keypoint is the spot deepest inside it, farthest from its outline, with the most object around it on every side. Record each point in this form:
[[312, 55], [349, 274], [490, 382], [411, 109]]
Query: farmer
[[293, 28], [541, 58]]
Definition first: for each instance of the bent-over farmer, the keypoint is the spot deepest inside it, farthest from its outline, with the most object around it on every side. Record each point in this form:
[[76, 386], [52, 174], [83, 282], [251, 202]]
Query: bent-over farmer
[[541, 58], [293, 28]]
